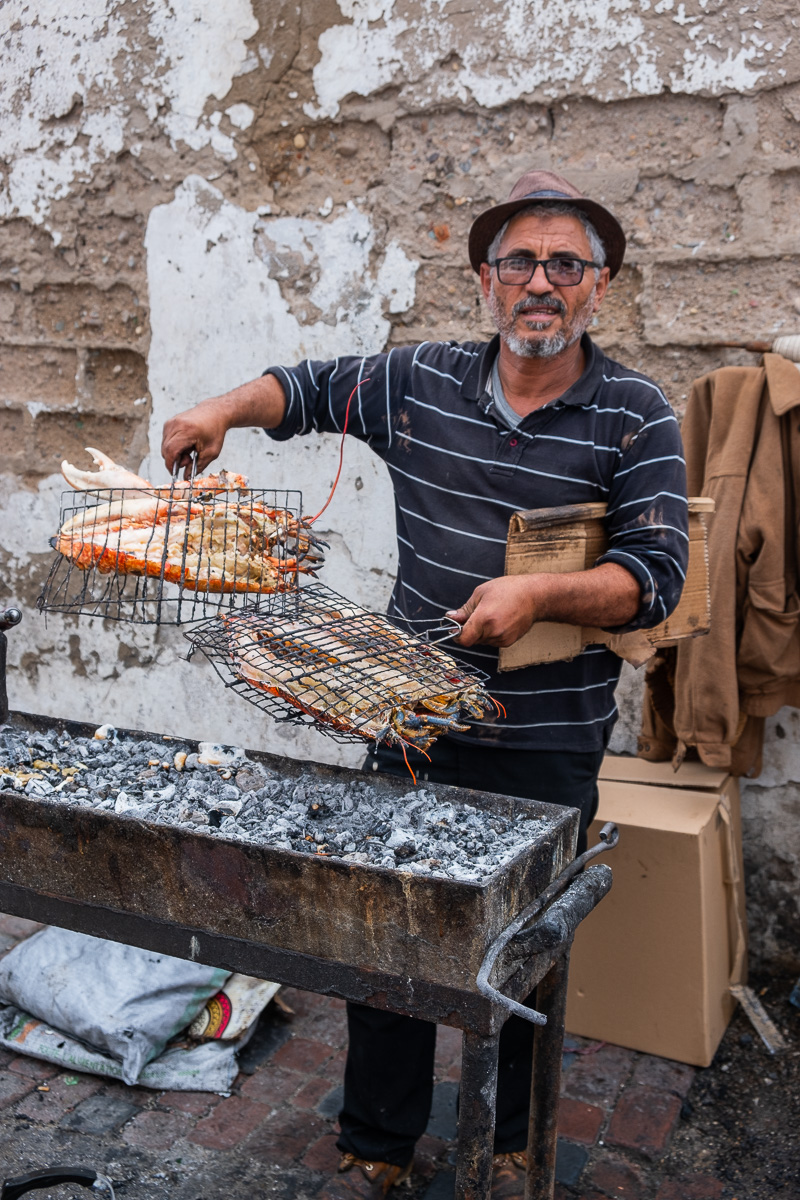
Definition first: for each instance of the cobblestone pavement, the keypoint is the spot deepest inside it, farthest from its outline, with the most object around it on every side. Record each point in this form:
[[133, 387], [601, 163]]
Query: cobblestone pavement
[[274, 1135]]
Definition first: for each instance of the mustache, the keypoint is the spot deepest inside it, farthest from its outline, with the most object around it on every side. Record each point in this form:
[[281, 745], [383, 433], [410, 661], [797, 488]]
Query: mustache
[[551, 303]]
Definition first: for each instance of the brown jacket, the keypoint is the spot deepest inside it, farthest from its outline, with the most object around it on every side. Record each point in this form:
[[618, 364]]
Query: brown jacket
[[742, 438]]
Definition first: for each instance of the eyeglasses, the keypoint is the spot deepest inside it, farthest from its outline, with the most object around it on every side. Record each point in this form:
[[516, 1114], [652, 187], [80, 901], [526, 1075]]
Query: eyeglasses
[[561, 272]]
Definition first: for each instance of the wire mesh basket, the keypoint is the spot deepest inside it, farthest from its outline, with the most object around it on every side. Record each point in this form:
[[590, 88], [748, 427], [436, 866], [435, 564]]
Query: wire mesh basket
[[351, 673], [178, 554]]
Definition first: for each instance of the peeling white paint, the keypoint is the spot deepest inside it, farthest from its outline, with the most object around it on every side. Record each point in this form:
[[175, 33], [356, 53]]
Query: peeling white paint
[[68, 76], [218, 319], [507, 49]]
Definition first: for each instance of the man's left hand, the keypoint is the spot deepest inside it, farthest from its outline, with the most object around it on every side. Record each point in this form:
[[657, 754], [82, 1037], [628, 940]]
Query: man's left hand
[[498, 612], [501, 611]]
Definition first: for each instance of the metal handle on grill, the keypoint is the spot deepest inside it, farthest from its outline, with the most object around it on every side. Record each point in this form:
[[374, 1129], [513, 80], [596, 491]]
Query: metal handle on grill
[[9, 617], [558, 924]]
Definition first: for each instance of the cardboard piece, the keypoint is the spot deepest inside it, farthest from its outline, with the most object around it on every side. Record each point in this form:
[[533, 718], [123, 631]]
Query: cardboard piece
[[572, 538], [652, 966]]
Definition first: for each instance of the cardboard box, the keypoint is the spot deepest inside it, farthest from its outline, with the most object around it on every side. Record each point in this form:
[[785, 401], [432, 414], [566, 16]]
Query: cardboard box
[[572, 538], [652, 966]]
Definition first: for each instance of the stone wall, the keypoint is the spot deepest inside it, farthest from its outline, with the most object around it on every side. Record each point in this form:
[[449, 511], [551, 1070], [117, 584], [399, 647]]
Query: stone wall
[[189, 192]]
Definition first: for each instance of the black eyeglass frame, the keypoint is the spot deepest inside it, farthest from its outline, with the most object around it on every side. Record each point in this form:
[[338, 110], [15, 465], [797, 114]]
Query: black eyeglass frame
[[544, 263]]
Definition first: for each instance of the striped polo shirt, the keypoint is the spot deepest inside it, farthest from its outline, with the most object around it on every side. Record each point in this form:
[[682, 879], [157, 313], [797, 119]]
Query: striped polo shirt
[[459, 471]]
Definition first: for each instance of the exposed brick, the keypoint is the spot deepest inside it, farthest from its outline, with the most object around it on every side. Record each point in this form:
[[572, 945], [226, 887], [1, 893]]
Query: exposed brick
[[272, 1086], [32, 1068], [596, 1078], [643, 1120], [617, 1178], [719, 288], [82, 314], [43, 374], [13, 1087], [323, 1155], [49, 1107], [196, 1104], [301, 1054], [18, 927], [16, 432], [229, 1123], [59, 435], [691, 1187], [312, 1092], [578, 1121], [663, 1074], [156, 1130], [285, 1136], [112, 380]]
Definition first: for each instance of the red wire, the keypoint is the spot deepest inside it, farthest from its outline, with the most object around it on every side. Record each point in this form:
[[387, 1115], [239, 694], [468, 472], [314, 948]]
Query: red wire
[[341, 453]]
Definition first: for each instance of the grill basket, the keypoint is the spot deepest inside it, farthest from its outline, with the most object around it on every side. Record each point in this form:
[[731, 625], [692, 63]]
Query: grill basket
[[353, 674], [178, 559]]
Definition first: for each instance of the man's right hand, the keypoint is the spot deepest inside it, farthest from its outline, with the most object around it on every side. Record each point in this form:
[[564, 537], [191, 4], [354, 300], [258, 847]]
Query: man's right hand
[[259, 404], [201, 428]]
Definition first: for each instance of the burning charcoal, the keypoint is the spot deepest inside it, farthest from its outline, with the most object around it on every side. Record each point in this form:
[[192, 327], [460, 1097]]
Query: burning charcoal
[[123, 803], [191, 762], [106, 733]]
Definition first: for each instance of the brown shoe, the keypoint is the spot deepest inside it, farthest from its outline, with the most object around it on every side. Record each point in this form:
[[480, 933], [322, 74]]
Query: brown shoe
[[508, 1175], [387, 1175]]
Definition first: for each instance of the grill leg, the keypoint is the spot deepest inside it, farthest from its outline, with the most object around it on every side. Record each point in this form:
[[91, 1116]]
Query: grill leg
[[476, 1114], [548, 1047]]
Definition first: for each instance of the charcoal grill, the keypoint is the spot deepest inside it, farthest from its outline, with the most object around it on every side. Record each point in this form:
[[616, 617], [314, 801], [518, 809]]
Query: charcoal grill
[[457, 953]]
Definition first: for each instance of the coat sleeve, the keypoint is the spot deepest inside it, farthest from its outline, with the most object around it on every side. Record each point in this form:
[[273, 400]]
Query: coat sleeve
[[648, 518]]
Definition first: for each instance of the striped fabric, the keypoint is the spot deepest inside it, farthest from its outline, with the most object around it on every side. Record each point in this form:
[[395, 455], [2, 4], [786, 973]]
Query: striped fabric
[[459, 472]]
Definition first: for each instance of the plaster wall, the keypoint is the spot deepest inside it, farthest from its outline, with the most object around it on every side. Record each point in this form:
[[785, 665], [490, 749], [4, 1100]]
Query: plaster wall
[[190, 192]]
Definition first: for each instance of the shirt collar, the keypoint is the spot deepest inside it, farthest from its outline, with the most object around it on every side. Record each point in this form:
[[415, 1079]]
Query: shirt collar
[[581, 392]]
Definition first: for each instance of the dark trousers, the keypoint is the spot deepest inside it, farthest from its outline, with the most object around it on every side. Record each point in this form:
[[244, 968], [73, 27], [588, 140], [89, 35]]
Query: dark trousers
[[388, 1082]]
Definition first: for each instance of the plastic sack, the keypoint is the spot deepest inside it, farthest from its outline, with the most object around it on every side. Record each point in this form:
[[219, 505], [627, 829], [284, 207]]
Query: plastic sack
[[121, 1000], [233, 1009], [208, 1067]]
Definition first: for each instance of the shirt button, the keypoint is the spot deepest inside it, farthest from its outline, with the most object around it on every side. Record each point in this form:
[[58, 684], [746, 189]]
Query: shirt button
[[513, 442]]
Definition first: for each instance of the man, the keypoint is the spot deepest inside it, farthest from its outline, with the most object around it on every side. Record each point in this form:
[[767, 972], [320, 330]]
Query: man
[[536, 418]]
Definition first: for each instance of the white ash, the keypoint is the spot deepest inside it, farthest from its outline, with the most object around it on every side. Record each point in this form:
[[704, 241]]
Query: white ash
[[223, 793]]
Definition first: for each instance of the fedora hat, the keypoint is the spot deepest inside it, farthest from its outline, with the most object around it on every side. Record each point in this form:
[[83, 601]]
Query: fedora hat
[[536, 186]]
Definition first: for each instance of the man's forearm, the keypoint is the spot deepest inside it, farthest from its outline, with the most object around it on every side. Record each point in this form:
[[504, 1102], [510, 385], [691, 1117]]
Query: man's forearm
[[501, 611], [258, 404], [607, 595]]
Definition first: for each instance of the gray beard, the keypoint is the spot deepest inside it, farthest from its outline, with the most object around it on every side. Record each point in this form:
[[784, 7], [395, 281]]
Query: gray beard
[[542, 347]]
